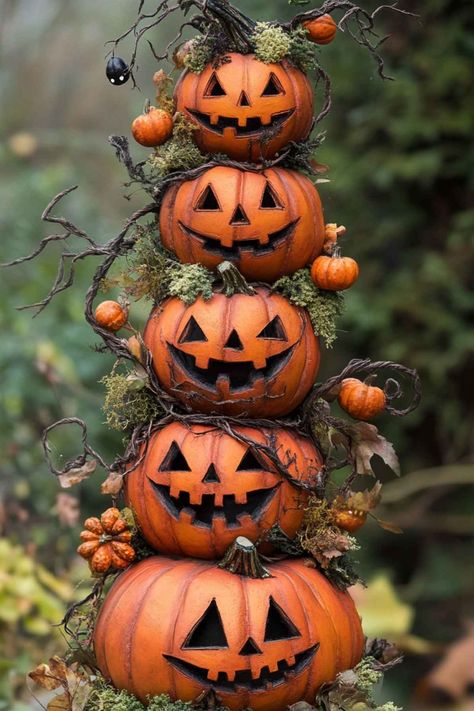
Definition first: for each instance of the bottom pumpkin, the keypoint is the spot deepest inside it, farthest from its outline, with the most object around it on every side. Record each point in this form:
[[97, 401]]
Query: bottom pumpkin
[[261, 638]]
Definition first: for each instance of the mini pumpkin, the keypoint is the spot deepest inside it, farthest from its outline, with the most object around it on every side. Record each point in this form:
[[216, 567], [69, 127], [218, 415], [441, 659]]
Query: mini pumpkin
[[350, 519], [334, 273], [111, 315], [182, 626], [245, 108], [255, 354], [152, 128], [361, 401], [321, 30], [196, 487], [106, 542], [269, 223]]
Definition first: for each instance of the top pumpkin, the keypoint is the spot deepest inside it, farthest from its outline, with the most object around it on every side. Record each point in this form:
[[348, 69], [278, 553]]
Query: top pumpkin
[[245, 108]]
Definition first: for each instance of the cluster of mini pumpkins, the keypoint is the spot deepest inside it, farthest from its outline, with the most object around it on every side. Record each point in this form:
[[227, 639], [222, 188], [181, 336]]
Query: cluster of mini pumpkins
[[181, 622]]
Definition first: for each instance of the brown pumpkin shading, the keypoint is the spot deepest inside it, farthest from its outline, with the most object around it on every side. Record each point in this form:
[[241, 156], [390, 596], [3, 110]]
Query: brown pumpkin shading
[[263, 642], [268, 224], [197, 488], [106, 542], [255, 354], [245, 108]]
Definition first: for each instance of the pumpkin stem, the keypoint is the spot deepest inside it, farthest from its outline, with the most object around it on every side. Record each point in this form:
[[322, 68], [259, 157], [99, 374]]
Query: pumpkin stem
[[242, 558], [370, 379], [147, 106], [233, 281]]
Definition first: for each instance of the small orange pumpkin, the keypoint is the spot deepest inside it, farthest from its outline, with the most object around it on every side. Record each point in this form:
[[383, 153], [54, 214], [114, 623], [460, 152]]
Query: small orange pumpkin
[[111, 315], [321, 30], [350, 520], [361, 400], [334, 273], [152, 128], [106, 542]]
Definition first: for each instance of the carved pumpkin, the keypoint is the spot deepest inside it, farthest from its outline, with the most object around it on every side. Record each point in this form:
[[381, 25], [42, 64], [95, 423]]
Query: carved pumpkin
[[197, 488], [245, 108], [269, 224], [183, 626], [361, 401], [255, 354]]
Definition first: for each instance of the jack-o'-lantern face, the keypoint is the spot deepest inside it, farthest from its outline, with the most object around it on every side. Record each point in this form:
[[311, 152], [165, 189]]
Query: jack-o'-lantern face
[[268, 224], [181, 626], [240, 354], [197, 488], [246, 108]]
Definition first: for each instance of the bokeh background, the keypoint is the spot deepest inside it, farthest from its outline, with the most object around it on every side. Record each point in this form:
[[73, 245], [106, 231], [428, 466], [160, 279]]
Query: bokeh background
[[401, 158]]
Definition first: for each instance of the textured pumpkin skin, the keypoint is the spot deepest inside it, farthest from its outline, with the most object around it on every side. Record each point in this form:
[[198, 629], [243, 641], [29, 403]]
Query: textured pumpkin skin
[[106, 542], [152, 128], [111, 315], [334, 273], [274, 387], [244, 73], [321, 30], [350, 520], [361, 401], [152, 608], [203, 447], [209, 236]]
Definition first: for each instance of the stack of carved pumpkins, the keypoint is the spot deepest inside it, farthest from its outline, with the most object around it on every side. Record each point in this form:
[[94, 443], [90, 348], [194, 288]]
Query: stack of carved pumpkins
[[181, 622]]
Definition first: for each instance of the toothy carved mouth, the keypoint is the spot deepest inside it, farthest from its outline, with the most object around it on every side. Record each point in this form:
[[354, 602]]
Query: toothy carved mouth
[[206, 512], [243, 678], [253, 126], [239, 375], [211, 244]]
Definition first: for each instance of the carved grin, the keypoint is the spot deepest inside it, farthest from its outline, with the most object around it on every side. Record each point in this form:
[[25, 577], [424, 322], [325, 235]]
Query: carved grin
[[243, 678], [211, 244], [240, 375], [203, 514], [253, 126]]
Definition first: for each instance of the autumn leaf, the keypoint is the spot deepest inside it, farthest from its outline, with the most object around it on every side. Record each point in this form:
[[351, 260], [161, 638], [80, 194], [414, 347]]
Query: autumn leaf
[[365, 441], [454, 674], [44, 676], [383, 613], [67, 508], [364, 500], [113, 484], [60, 703], [56, 674], [77, 474]]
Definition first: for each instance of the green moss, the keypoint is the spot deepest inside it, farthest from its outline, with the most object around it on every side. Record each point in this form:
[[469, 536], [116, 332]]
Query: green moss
[[188, 281], [200, 54], [271, 42], [389, 706], [176, 154], [323, 306], [367, 677], [105, 698], [302, 52], [128, 402]]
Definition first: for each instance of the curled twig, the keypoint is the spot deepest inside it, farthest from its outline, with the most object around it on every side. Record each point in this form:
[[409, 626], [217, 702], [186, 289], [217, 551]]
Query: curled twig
[[78, 461]]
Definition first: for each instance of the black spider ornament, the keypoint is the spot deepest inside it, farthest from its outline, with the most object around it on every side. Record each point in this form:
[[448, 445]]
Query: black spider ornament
[[117, 71]]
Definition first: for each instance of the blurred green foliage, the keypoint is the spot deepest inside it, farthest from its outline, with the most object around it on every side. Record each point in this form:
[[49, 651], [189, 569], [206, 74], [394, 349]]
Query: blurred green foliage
[[400, 155]]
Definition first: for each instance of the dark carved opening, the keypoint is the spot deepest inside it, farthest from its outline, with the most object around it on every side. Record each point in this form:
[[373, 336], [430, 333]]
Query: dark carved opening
[[211, 476], [269, 199], [243, 100], [239, 217], [208, 632], [273, 87], [214, 87], [208, 200], [250, 647], [249, 462], [234, 341], [278, 625], [174, 460], [192, 332], [274, 329]]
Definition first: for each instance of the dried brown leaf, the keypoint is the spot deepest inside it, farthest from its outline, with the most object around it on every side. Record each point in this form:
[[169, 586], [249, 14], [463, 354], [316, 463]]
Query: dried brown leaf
[[113, 484], [364, 500], [60, 703], [365, 442], [77, 474], [67, 508], [45, 677]]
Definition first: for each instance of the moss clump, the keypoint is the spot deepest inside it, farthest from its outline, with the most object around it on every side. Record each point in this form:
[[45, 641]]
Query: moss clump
[[148, 266], [271, 42], [105, 698], [302, 52], [199, 54], [176, 154], [128, 402], [323, 306], [188, 281], [367, 677]]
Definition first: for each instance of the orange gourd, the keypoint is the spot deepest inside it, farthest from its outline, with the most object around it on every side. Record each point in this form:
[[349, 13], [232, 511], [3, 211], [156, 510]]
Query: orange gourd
[[106, 542], [111, 315], [245, 108], [350, 520], [361, 400], [268, 224], [152, 128], [255, 354], [321, 30], [197, 488], [334, 273], [183, 626]]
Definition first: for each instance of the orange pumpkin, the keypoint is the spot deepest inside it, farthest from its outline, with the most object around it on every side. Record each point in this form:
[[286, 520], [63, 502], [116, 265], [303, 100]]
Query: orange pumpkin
[[111, 315], [197, 488], [181, 626], [361, 400], [321, 30], [106, 542], [255, 354], [350, 520], [245, 108], [334, 273], [152, 128], [268, 224]]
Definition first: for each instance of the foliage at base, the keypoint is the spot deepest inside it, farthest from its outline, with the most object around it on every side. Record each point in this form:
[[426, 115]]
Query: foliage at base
[[105, 698]]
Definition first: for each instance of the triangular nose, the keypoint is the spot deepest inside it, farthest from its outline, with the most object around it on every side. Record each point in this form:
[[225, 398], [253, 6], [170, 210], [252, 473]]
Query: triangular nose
[[243, 99], [210, 477], [239, 217], [250, 647], [234, 341]]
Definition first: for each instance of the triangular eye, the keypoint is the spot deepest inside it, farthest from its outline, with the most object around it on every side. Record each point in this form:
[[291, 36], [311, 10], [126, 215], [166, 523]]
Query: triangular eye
[[273, 87], [249, 462], [274, 329], [208, 200], [269, 199], [192, 332], [208, 631], [175, 461], [279, 625], [214, 87]]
